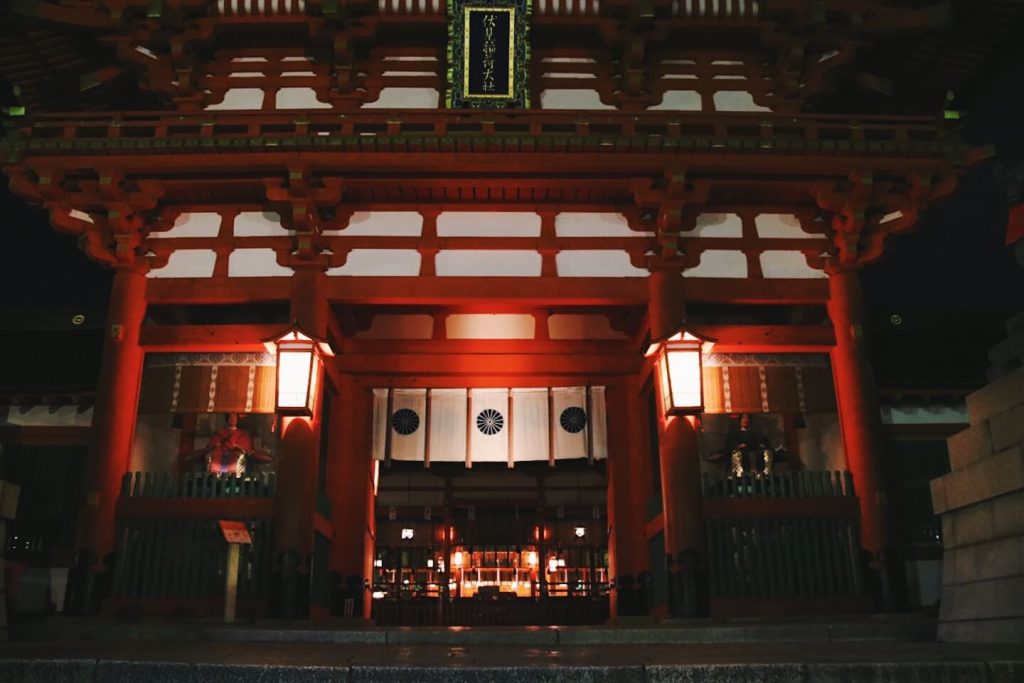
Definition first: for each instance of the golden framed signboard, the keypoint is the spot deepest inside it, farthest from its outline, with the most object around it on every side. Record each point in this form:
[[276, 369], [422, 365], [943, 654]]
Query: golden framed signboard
[[488, 54]]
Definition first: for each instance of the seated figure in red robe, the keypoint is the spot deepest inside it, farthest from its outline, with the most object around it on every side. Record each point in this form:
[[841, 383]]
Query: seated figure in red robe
[[231, 450]]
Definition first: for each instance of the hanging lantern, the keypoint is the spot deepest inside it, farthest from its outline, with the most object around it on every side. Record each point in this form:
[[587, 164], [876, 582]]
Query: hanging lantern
[[299, 363], [679, 364]]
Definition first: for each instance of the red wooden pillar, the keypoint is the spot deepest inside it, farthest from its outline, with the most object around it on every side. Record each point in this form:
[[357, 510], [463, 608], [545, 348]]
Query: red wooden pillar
[[117, 394], [679, 457], [629, 487], [858, 405], [299, 440], [350, 488]]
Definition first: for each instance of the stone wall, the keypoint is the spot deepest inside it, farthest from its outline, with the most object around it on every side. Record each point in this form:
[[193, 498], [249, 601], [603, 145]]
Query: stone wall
[[982, 506]]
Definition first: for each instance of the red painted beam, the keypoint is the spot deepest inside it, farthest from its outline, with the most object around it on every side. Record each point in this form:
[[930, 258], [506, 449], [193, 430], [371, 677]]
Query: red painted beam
[[753, 338], [207, 337], [507, 364], [484, 291]]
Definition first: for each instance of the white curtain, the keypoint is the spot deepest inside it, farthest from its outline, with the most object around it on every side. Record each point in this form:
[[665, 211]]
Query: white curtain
[[408, 424], [569, 420], [530, 425], [488, 425], [448, 425], [380, 423], [597, 421]]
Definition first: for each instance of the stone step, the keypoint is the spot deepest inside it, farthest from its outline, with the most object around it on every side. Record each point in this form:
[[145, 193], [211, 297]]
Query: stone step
[[792, 662], [880, 628]]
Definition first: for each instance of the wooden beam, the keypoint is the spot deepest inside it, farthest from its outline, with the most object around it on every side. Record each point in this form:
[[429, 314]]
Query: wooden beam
[[481, 292], [207, 337], [756, 338], [208, 508], [538, 347], [503, 364]]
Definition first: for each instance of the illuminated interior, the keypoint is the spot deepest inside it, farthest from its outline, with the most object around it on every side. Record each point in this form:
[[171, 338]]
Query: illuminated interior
[[490, 573]]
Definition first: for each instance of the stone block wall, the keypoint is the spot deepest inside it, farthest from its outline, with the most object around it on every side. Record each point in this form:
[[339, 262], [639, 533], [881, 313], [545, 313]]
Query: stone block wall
[[981, 502]]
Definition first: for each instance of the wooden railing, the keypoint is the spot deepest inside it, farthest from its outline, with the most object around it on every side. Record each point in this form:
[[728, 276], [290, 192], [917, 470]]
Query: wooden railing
[[170, 547], [197, 485], [783, 539], [455, 130]]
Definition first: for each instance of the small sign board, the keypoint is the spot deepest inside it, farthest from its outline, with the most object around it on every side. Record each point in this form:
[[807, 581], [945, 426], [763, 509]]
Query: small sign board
[[235, 532]]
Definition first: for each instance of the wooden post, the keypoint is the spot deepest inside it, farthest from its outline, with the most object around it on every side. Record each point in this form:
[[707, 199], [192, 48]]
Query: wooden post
[[231, 582], [858, 405], [235, 534], [299, 442], [8, 507], [350, 489], [113, 425], [677, 449]]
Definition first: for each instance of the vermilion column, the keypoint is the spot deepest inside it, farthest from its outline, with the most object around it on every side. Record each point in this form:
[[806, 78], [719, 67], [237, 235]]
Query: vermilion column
[[627, 506], [299, 440], [117, 397], [350, 489], [858, 405], [677, 448]]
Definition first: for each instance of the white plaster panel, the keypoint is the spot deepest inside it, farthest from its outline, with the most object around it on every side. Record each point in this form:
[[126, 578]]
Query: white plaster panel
[[821, 443], [299, 98], [399, 327], [580, 224], [382, 224], [736, 100], [565, 98], [187, 263], [781, 225], [256, 263], [924, 415], [205, 224], [490, 326], [153, 444], [597, 263], [572, 326], [245, 99], [788, 264], [488, 224], [47, 416], [718, 225], [258, 224], [494, 263], [679, 100], [405, 98], [723, 263], [380, 262]]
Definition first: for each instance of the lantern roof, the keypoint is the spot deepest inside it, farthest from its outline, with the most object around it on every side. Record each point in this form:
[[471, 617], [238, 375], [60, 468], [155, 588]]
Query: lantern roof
[[295, 333], [683, 335]]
